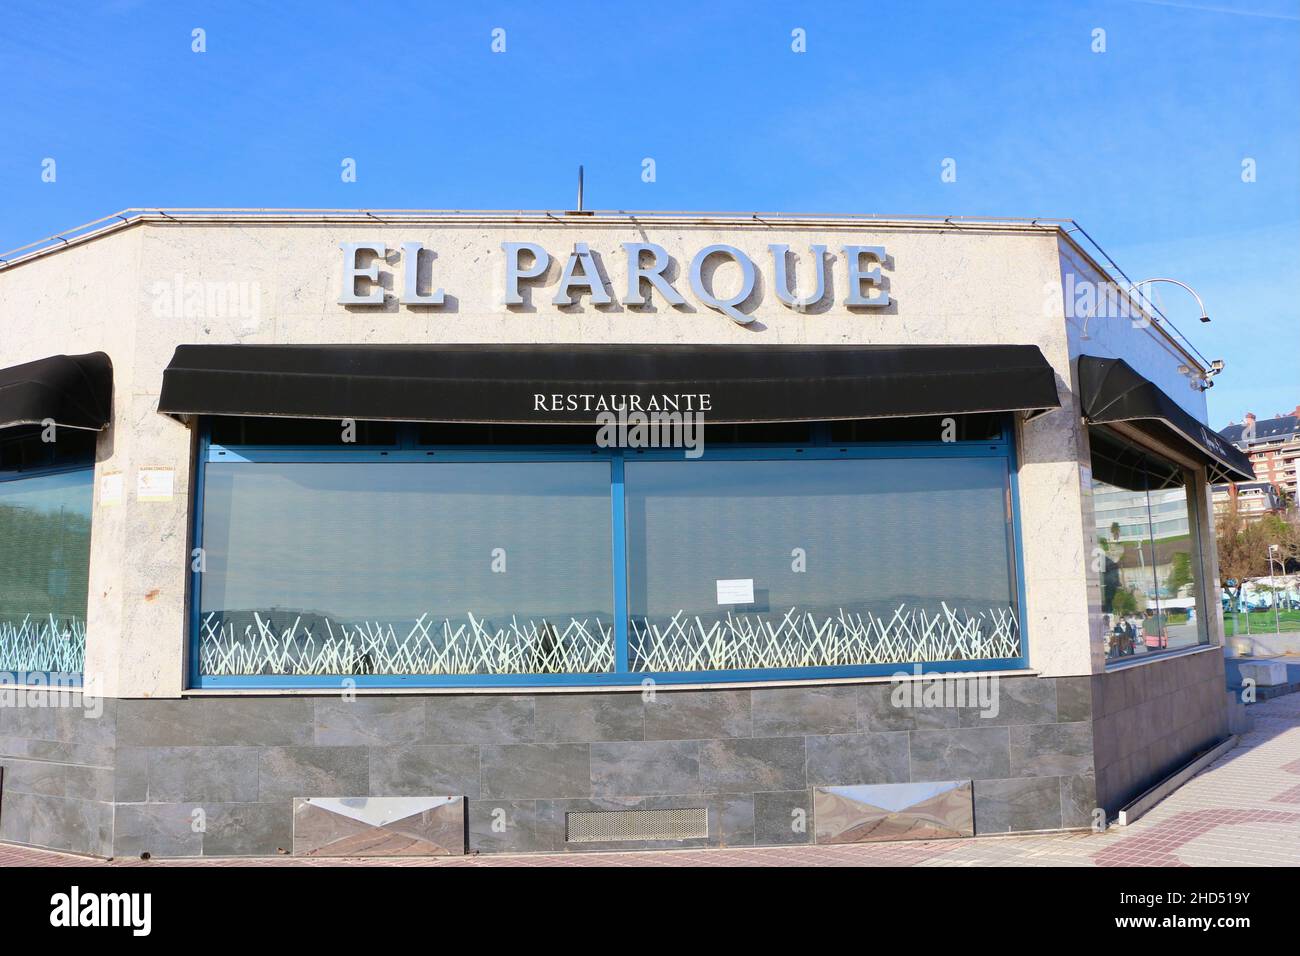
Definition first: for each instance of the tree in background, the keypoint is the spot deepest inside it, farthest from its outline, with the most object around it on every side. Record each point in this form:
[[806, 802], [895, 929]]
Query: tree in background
[[1290, 539], [1243, 547], [1124, 603], [1180, 573]]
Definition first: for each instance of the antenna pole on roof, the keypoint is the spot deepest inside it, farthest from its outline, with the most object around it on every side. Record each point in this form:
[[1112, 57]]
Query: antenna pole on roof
[[581, 210]]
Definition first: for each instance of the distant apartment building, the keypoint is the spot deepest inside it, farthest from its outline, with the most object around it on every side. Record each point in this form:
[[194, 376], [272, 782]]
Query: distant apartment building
[[1254, 498], [1273, 446]]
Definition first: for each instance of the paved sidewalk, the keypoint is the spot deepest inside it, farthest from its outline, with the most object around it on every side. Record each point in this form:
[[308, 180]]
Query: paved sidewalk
[[1243, 811]]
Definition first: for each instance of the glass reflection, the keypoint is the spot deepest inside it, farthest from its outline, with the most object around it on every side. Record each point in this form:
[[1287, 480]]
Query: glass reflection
[[840, 562], [1151, 573], [406, 568], [44, 569]]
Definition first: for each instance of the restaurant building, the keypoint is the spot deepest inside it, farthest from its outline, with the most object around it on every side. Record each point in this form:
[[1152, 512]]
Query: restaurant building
[[409, 532]]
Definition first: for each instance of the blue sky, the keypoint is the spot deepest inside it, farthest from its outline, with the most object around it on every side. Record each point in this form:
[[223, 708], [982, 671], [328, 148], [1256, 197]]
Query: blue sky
[[1143, 144]]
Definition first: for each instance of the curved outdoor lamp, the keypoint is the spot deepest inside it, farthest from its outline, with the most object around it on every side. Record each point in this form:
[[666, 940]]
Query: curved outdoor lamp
[[1216, 366], [1205, 317]]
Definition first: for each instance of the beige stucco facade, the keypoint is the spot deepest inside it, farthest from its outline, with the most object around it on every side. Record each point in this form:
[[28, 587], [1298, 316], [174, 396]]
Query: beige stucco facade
[[279, 281]]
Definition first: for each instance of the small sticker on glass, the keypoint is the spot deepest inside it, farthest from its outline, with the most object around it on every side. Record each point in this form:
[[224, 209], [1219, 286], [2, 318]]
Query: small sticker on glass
[[736, 591]]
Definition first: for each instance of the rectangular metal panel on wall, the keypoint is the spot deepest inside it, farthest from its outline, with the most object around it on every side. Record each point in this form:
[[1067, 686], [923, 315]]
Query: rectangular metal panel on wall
[[894, 811], [379, 826], [637, 826]]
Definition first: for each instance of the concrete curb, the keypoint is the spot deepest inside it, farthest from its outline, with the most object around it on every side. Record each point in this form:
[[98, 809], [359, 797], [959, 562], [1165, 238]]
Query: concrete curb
[[1138, 808]]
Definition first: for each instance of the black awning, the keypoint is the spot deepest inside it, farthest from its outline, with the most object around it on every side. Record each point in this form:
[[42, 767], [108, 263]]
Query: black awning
[[564, 384], [73, 391], [1111, 391]]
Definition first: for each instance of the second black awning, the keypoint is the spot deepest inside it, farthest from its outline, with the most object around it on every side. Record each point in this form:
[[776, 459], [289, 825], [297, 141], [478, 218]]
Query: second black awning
[[73, 391], [570, 384], [1111, 391]]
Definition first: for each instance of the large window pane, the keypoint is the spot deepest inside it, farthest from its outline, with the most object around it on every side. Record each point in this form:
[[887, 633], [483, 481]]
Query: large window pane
[[1146, 529], [406, 568], [44, 564], [849, 562], [1128, 572]]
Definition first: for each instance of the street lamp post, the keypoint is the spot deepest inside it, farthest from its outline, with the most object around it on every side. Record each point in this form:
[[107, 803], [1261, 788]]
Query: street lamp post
[[1277, 622]]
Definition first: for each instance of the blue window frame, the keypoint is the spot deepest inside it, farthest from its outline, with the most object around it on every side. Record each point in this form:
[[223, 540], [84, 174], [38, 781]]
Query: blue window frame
[[576, 617], [46, 494]]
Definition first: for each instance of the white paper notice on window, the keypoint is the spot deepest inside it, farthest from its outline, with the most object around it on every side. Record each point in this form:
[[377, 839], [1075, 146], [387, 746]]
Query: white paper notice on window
[[154, 484], [736, 591]]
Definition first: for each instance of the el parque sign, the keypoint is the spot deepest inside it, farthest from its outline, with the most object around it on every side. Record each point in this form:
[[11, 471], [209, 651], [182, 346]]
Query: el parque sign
[[646, 264]]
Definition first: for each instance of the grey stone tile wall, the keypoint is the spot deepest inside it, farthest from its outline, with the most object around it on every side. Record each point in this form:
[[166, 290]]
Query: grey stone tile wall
[[217, 775], [58, 784], [1150, 719]]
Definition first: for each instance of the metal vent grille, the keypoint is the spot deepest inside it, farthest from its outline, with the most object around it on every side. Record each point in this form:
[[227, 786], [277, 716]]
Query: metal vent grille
[[619, 826]]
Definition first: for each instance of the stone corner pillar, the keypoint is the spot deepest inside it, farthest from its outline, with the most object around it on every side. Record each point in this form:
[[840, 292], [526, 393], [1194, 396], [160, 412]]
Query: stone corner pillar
[[136, 622]]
